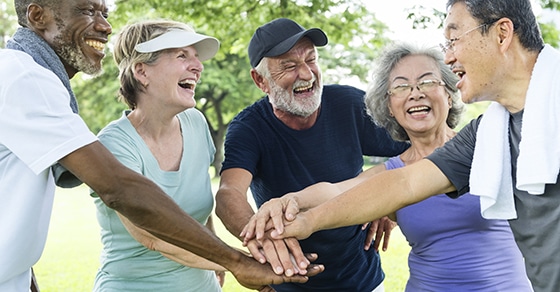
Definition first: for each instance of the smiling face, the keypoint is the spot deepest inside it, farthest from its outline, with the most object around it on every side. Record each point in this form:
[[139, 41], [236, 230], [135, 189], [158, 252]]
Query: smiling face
[[294, 84], [473, 57], [418, 112], [172, 79], [78, 33]]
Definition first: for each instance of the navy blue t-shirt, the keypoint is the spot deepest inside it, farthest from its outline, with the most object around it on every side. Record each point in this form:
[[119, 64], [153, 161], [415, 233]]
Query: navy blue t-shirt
[[284, 160]]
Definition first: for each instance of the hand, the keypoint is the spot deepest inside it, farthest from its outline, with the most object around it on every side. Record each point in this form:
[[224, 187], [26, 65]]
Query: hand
[[221, 276], [284, 255], [380, 229], [253, 275], [301, 227], [271, 214]]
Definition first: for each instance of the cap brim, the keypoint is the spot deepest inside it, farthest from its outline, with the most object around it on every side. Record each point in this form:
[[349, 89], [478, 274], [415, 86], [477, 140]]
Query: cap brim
[[317, 36], [206, 46]]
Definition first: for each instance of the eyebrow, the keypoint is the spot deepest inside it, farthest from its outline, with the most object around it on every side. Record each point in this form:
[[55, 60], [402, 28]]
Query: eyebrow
[[420, 77]]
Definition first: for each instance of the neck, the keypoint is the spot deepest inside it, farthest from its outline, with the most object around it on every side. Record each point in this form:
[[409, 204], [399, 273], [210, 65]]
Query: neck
[[296, 122], [518, 76], [424, 144]]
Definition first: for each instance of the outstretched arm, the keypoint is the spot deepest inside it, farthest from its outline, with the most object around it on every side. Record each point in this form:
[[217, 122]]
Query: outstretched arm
[[168, 250], [272, 213], [374, 198], [285, 255], [149, 208]]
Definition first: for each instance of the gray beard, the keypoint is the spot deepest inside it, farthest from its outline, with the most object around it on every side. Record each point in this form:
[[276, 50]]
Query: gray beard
[[284, 100]]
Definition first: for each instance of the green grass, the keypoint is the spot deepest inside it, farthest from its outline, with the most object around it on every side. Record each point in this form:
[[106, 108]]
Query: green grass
[[71, 256]]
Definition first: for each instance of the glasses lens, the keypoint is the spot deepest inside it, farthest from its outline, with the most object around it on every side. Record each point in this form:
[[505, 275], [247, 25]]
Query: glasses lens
[[427, 85], [401, 90]]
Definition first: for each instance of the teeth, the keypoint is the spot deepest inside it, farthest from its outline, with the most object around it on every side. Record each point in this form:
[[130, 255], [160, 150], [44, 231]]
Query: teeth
[[96, 44], [304, 87], [189, 81], [418, 108]]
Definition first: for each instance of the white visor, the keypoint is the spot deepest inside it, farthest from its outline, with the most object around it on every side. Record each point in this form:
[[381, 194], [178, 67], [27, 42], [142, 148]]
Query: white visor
[[205, 46]]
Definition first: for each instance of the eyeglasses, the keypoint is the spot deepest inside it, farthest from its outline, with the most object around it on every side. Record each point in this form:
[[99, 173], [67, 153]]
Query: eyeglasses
[[424, 86], [450, 43]]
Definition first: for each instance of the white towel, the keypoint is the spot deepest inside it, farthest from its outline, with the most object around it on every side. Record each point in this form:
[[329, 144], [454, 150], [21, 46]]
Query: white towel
[[539, 150], [491, 167]]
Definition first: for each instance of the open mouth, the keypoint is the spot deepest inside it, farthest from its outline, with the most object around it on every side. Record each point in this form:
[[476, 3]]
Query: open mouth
[[419, 110], [188, 84], [97, 45], [304, 88]]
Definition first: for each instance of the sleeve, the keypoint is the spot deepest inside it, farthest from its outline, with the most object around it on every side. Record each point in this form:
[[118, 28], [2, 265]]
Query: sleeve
[[454, 158], [241, 147], [38, 125]]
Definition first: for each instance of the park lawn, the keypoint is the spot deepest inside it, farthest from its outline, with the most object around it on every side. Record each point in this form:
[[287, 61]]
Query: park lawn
[[71, 256]]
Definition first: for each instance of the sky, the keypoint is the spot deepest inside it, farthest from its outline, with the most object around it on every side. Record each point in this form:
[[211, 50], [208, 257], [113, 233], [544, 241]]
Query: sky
[[393, 14]]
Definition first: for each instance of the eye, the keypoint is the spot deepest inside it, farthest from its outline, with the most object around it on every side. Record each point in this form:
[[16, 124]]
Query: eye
[[89, 12], [401, 87]]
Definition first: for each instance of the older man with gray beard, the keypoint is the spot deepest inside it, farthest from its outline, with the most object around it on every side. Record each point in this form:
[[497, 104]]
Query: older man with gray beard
[[299, 134]]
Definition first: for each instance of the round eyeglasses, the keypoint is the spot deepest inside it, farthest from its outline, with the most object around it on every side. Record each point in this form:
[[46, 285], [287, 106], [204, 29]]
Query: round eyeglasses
[[424, 86]]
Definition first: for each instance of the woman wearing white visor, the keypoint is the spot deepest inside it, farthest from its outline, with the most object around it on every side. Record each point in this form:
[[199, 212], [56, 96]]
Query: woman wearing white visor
[[163, 137]]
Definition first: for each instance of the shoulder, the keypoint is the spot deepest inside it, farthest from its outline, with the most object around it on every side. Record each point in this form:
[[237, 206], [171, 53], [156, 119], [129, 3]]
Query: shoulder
[[347, 90]]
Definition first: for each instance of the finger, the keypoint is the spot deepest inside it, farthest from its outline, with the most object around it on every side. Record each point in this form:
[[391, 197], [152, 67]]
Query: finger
[[311, 257], [369, 239], [272, 256], [285, 258], [256, 252], [379, 235], [299, 257], [386, 240], [314, 269], [249, 229], [292, 208]]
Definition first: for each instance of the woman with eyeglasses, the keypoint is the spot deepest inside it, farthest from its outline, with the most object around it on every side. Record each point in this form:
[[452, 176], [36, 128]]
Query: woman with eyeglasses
[[413, 96]]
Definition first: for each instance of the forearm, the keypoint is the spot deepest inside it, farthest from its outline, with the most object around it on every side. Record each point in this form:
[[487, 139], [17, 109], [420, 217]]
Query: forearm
[[234, 210], [321, 192], [146, 205], [168, 250], [380, 195]]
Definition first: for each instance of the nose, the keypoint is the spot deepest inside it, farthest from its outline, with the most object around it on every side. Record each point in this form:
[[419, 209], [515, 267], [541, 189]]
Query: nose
[[305, 72], [415, 93], [449, 57], [196, 66], [101, 24]]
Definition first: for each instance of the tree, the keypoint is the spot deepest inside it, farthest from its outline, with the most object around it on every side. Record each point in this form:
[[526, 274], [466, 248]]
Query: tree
[[8, 21], [226, 87]]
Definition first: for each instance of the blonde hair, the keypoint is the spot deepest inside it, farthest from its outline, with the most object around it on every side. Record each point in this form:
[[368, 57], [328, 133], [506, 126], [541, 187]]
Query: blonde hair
[[127, 57]]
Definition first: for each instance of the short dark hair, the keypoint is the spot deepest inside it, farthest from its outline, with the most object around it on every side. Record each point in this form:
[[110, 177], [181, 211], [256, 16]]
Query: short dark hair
[[518, 11], [21, 8]]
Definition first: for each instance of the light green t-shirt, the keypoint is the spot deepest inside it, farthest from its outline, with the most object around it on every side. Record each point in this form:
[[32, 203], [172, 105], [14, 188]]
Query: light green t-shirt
[[127, 265]]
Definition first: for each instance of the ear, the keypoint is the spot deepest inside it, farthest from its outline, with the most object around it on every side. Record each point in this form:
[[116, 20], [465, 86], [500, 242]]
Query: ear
[[260, 81], [140, 74], [505, 33], [38, 17]]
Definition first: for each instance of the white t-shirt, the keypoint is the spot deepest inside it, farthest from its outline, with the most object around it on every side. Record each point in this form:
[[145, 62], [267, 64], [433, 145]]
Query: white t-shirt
[[37, 128]]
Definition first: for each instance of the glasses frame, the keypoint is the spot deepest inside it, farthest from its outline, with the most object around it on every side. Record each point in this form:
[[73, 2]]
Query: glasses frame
[[416, 85], [449, 45]]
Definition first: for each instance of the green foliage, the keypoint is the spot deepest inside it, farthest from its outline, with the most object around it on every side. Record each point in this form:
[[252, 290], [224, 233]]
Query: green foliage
[[8, 20], [97, 96], [226, 88]]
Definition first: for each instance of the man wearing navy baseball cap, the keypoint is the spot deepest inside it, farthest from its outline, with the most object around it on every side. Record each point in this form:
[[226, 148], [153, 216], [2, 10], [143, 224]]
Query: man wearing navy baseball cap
[[299, 134]]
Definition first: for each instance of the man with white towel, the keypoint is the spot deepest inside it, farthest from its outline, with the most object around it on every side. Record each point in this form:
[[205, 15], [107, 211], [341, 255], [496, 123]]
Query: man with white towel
[[510, 156]]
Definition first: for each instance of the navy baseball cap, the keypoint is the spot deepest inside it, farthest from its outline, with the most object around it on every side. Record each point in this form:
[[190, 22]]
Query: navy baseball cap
[[279, 36]]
